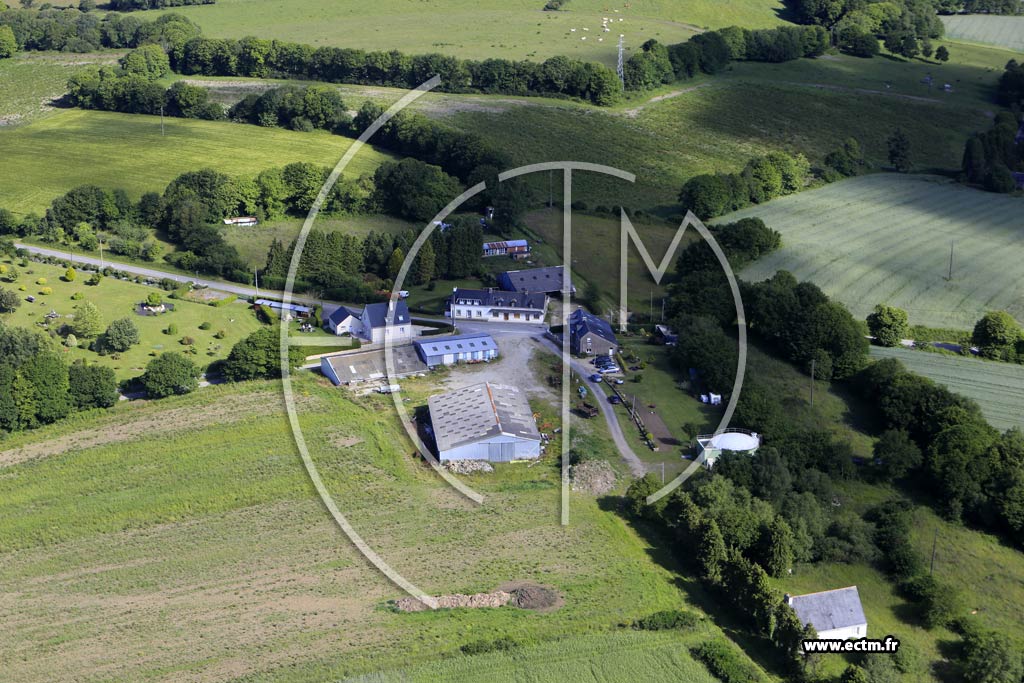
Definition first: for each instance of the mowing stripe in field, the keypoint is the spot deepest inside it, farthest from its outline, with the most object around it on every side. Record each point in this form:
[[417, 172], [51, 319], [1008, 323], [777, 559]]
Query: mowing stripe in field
[[1003, 31], [886, 238], [997, 387]]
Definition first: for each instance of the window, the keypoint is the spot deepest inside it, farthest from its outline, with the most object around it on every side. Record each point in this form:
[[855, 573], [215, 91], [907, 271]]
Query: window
[[478, 314], [516, 316], [494, 313]]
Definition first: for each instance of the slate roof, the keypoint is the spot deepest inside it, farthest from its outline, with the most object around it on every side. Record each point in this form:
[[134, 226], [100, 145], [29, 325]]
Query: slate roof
[[479, 412], [339, 315], [459, 343], [537, 279], [500, 298], [582, 322], [375, 315], [828, 610]]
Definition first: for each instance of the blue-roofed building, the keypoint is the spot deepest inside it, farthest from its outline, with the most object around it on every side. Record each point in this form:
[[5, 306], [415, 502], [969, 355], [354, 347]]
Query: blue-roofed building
[[835, 614], [461, 348], [590, 335]]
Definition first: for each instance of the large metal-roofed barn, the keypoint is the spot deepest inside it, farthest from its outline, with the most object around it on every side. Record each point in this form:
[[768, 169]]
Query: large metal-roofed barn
[[457, 348], [834, 614], [484, 422]]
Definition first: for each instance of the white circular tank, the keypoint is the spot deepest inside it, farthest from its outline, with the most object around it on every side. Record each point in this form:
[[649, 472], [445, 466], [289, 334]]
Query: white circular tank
[[734, 441]]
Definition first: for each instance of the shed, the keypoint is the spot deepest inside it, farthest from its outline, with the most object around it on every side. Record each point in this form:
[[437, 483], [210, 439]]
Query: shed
[[484, 422], [436, 351], [834, 614], [365, 366]]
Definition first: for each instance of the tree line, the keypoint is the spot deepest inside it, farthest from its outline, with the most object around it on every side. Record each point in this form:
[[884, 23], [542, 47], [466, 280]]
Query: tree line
[[132, 5], [350, 269], [711, 51], [991, 157], [72, 30], [762, 179]]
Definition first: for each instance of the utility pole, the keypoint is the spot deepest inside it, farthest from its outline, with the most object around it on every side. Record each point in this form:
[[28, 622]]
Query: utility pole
[[620, 70], [551, 190], [256, 272], [663, 472], [662, 309], [935, 541], [812, 382], [951, 244], [99, 241]]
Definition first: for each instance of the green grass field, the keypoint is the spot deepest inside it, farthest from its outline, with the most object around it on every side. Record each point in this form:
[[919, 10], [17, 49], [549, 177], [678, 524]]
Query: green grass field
[[1003, 31], [886, 239], [513, 29], [117, 299], [73, 147], [997, 387], [30, 82], [187, 543]]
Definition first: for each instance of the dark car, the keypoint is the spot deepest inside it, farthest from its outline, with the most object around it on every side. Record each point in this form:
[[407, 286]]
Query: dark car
[[614, 399], [595, 377]]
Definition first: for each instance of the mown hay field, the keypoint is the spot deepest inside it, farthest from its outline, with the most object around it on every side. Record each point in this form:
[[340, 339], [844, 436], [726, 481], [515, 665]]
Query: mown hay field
[[181, 539], [75, 147], [997, 387], [886, 238], [1007, 32]]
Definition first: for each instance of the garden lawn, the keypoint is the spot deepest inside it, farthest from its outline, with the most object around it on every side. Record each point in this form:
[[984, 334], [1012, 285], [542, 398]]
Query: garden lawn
[[117, 299], [75, 147]]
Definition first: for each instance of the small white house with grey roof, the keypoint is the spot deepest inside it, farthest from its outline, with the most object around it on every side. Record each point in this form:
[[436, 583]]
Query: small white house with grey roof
[[460, 348], [484, 422], [371, 323], [835, 614]]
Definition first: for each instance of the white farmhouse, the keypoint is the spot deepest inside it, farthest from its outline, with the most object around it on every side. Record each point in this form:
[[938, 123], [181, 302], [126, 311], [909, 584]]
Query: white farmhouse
[[371, 323], [495, 305], [835, 614]]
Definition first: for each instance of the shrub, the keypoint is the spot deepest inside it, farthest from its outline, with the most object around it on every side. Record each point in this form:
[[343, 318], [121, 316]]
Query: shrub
[[41, 281], [186, 341], [220, 334], [725, 662], [77, 296], [154, 299], [46, 291], [171, 329], [205, 325], [504, 643], [70, 275], [224, 302], [667, 619], [168, 374]]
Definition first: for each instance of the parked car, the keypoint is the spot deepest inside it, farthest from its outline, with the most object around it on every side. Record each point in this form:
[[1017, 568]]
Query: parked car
[[614, 400], [620, 381], [609, 368], [596, 377]]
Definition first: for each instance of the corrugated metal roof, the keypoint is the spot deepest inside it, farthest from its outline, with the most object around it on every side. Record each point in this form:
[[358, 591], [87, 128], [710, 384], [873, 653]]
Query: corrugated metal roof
[[479, 412], [506, 244], [460, 343], [830, 610]]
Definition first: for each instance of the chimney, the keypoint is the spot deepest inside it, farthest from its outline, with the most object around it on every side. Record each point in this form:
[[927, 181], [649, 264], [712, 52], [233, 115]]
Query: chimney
[[789, 599]]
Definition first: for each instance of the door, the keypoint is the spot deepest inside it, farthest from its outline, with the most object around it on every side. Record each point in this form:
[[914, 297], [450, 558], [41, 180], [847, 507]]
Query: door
[[506, 316]]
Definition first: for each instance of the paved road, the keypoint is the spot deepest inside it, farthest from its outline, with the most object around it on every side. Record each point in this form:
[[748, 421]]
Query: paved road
[[242, 290]]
